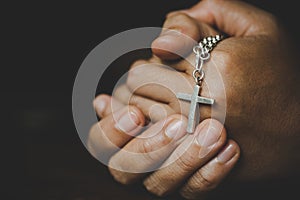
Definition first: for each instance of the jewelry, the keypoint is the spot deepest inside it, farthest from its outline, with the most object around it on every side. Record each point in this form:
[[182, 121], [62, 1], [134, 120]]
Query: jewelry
[[202, 51]]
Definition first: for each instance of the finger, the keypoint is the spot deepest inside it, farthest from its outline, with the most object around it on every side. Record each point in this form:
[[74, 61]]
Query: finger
[[156, 82], [235, 18], [185, 65], [149, 150], [180, 34], [153, 110], [105, 104], [114, 131], [145, 77], [194, 152], [210, 175]]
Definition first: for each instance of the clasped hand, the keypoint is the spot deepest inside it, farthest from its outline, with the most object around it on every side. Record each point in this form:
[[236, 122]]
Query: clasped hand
[[251, 65]]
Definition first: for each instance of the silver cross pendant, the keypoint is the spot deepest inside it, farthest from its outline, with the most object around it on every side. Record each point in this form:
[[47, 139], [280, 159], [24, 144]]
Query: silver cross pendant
[[202, 51], [194, 113]]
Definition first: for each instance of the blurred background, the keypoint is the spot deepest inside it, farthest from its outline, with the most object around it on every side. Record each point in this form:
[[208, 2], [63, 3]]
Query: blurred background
[[44, 44]]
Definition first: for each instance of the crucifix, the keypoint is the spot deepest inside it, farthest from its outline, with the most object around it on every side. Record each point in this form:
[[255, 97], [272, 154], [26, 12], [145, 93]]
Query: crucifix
[[202, 51], [194, 114]]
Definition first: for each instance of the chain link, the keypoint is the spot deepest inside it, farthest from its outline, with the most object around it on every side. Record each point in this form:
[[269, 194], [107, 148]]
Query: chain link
[[202, 51]]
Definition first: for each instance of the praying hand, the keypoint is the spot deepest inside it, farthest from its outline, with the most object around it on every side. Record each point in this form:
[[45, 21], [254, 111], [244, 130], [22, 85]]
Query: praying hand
[[250, 76]]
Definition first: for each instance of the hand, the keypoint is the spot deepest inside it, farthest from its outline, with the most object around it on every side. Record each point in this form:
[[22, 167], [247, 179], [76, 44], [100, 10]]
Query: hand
[[258, 74], [163, 155]]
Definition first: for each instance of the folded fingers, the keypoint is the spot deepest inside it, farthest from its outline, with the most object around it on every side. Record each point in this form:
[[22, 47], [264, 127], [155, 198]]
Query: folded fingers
[[211, 174], [105, 105], [113, 131], [199, 162], [181, 32], [153, 110], [157, 81], [191, 155], [147, 152]]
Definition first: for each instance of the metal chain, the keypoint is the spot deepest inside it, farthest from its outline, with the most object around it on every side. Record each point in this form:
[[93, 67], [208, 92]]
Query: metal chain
[[202, 51]]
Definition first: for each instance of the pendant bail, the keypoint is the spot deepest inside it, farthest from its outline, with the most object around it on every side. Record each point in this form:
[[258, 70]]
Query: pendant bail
[[198, 76]]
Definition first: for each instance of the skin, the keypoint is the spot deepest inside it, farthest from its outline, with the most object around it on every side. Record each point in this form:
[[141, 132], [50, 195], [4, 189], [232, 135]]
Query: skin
[[259, 80], [259, 76], [194, 164]]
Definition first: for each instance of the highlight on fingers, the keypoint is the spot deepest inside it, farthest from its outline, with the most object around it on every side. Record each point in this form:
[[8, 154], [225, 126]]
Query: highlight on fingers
[[148, 151], [213, 173], [152, 87], [113, 131], [180, 33], [192, 154], [105, 105]]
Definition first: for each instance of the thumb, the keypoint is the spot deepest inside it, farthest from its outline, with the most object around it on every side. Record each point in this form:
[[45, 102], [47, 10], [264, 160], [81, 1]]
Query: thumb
[[180, 33], [235, 18]]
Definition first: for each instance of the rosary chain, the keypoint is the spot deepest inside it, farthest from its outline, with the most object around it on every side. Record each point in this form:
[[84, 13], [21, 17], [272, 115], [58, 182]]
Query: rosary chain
[[202, 51], [210, 42], [207, 44]]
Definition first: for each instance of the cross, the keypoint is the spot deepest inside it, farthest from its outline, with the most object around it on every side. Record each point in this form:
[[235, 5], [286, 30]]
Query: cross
[[194, 99]]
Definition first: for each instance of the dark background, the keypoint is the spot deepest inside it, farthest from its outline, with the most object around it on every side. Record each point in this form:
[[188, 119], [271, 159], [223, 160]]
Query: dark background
[[43, 45]]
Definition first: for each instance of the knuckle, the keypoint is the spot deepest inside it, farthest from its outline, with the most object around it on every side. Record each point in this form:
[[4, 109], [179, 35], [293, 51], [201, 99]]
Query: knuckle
[[224, 57], [157, 191], [146, 146], [154, 186], [175, 18], [149, 152], [103, 97], [136, 70], [203, 182], [116, 170], [170, 14], [120, 176], [138, 63], [178, 16], [186, 194], [134, 101], [122, 93], [185, 162]]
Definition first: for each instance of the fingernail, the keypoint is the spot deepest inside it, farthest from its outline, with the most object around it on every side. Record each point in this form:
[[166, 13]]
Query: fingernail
[[100, 104], [227, 153], [128, 122], [208, 136], [176, 129]]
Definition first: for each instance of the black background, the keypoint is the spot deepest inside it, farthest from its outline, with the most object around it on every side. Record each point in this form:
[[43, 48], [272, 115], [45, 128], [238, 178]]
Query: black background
[[43, 46]]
